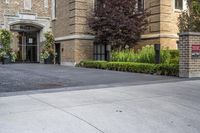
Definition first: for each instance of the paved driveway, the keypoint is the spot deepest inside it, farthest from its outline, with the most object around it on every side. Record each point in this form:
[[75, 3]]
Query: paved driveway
[[154, 108], [23, 77]]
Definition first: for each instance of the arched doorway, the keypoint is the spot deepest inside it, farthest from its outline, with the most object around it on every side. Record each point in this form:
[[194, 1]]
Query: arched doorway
[[28, 43]]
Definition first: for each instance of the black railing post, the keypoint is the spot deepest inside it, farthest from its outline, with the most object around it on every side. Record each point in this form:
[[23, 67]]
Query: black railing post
[[157, 53], [108, 52]]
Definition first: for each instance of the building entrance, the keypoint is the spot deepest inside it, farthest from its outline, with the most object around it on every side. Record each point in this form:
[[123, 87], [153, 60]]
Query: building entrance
[[27, 42], [28, 47]]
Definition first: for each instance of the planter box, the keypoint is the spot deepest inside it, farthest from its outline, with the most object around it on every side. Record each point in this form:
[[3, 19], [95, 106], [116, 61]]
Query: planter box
[[48, 60], [6, 60]]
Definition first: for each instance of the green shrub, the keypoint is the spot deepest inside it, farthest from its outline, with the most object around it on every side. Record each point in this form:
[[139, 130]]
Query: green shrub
[[161, 69], [174, 53], [145, 55], [124, 56], [174, 60]]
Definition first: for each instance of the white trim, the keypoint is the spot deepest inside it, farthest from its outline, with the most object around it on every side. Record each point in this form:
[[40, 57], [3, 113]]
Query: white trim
[[184, 6], [46, 3], [68, 63], [150, 36], [72, 37], [91, 37], [53, 9], [7, 1], [27, 7]]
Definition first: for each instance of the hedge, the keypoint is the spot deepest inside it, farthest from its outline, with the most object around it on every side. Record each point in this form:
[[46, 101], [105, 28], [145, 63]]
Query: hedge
[[160, 69]]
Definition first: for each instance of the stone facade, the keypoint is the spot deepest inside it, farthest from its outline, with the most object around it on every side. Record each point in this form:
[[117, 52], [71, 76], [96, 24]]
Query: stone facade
[[189, 56], [14, 12], [163, 22], [71, 30]]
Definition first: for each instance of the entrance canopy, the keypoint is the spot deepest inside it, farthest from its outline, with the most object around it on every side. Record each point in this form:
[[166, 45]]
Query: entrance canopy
[[24, 27]]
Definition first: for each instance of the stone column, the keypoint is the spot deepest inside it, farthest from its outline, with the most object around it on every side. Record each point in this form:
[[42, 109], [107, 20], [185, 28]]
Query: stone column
[[189, 46]]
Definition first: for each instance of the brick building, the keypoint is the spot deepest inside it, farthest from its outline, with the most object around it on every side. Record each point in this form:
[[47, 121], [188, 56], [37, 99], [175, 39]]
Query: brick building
[[28, 20], [163, 22], [73, 35], [71, 31]]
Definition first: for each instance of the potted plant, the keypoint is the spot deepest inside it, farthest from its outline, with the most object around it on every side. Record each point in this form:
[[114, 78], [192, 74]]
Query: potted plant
[[4, 57], [47, 54], [7, 56]]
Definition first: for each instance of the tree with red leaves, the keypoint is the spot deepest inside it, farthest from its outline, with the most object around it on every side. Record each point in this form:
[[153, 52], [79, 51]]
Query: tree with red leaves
[[118, 23]]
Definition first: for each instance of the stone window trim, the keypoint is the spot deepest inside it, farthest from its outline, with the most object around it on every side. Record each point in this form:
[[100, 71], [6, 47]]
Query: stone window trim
[[7, 1], [46, 3], [27, 4], [54, 6], [139, 5], [179, 9]]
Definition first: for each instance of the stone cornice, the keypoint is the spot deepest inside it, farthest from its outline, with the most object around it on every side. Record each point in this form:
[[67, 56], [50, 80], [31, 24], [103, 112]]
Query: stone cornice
[[155, 36], [190, 34], [73, 37]]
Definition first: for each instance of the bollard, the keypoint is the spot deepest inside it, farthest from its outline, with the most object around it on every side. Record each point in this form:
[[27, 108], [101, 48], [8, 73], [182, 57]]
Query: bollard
[[108, 52], [157, 53]]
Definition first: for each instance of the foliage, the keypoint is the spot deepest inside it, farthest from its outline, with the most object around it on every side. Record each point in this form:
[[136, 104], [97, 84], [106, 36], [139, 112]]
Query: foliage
[[189, 19], [118, 22], [48, 48], [160, 69], [5, 40], [174, 53], [145, 55], [124, 56]]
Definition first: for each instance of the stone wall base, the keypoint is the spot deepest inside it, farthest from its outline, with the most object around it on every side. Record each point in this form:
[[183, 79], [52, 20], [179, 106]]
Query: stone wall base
[[74, 51]]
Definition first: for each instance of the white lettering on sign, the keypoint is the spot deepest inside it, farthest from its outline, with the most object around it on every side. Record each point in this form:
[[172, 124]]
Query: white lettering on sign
[[26, 16]]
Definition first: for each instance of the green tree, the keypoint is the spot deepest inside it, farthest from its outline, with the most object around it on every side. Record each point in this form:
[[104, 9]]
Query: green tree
[[119, 23], [5, 39], [189, 20]]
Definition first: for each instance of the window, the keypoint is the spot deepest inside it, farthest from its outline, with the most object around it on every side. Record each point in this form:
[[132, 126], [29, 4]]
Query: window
[[27, 4], [46, 3], [99, 52], [140, 4], [179, 4], [53, 9], [7, 1]]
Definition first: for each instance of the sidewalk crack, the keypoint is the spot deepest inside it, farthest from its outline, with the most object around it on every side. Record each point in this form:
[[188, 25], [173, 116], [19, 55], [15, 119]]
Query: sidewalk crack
[[69, 113]]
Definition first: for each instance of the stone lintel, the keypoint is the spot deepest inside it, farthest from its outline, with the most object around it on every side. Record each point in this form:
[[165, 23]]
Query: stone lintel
[[189, 34]]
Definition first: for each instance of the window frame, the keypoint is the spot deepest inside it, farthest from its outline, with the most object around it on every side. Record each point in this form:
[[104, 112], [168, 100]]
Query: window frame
[[25, 6], [54, 6], [46, 3], [7, 1], [184, 6]]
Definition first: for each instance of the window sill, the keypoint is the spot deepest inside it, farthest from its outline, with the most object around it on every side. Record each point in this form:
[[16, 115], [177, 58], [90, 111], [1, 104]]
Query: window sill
[[178, 10], [54, 19]]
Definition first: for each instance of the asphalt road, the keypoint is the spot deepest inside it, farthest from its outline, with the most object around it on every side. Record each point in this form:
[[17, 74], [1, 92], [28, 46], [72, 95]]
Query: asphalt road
[[26, 77]]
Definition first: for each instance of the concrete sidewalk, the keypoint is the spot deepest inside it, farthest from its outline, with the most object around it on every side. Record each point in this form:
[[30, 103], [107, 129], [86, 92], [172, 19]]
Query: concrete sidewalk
[[155, 108]]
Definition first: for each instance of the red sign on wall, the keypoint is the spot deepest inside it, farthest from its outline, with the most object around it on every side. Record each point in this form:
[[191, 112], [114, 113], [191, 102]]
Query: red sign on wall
[[196, 50]]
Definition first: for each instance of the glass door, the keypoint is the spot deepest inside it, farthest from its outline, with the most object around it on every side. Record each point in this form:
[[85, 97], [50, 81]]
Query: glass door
[[28, 46], [31, 47]]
